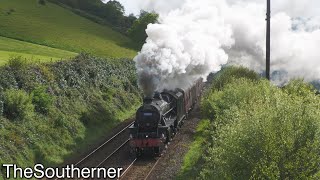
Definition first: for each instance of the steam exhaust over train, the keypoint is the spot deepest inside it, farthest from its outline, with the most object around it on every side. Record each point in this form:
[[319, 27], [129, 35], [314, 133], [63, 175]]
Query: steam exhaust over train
[[160, 117]]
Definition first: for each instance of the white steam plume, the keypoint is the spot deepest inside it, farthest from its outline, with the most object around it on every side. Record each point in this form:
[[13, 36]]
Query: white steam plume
[[294, 40], [200, 36], [188, 44]]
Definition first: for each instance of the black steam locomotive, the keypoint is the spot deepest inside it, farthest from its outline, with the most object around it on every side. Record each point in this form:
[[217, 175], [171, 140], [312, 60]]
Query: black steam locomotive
[[159, 118]]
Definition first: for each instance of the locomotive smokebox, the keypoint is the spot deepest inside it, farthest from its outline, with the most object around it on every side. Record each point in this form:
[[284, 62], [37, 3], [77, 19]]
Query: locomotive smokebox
[[147, 100]]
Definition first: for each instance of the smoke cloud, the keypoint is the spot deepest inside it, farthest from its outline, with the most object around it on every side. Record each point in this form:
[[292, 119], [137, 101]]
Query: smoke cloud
[[200, 36]]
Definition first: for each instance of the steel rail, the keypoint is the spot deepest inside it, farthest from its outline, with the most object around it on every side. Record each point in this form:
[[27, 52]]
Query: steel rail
[[127, 169], [110, 155], [102, 145]]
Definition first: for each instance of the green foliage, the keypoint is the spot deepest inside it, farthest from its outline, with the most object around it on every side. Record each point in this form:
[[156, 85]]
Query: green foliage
[[193, 159], [228, 73], [263, 132], [299, 88], [72, 103], [111, 12], [17, 105], [114, 12], [45, 25], [17, 63], [259, 131], [42, 100], [138, 30], [223, 78]]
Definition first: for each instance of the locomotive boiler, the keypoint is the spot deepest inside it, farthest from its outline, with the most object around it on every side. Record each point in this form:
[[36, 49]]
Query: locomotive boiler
[[160, 117]]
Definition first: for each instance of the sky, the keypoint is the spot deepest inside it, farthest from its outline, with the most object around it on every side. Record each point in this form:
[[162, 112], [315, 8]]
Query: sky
[[134, 6], [292, 7], [131, 6]]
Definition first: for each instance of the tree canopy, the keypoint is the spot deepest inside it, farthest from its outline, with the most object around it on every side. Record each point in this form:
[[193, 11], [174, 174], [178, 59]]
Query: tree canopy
[[112, 11], [138, 30]]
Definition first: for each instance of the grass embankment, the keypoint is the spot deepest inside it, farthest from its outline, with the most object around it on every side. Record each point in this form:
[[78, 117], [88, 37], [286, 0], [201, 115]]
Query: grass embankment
[[56, 27], [10, 48], [50, 111], [256, 130]]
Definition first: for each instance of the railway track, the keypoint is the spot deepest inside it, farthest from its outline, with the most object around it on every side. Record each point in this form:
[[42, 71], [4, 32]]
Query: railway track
[[99, 156], [112, 148], [114, 152], [140, 169], [148, 168], [106, 150]]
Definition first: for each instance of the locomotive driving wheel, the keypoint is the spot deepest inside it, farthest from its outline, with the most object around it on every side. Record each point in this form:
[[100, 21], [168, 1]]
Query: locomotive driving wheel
[[137, 152], [157, 151]]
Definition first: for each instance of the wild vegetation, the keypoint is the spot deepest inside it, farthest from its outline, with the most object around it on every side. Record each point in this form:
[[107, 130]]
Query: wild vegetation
[[53, 26], [256, 130], [50, 111]]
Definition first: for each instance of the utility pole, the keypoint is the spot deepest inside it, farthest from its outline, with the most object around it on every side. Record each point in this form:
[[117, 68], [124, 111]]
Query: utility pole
[[268, 40]]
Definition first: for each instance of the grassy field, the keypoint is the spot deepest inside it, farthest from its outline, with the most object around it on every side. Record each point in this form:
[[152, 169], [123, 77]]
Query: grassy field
[[10, 48], [56, 27]]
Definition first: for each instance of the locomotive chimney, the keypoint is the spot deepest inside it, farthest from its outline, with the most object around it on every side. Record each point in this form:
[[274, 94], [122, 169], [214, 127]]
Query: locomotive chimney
[[147, 100]]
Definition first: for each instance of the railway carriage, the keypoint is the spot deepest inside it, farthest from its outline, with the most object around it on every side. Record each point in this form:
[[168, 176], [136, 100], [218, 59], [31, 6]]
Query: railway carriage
[[159, 118]]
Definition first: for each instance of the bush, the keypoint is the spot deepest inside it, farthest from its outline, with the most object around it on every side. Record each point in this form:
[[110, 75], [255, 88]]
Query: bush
[[299, 88], [262, 132], [226, 75], [17, 105], [42, 100], [17, 63]]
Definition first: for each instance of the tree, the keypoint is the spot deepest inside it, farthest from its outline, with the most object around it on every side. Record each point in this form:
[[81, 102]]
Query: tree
[[114, 13], [127, 22], [143, 13], [116, 6], [130, 20], [138, 30]]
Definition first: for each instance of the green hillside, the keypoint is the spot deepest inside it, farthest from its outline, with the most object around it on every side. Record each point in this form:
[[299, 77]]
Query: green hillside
[[54, 26], [13, 48]]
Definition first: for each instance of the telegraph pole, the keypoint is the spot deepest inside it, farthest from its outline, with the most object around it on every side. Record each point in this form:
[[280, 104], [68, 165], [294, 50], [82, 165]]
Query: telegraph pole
[[268, 40]]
